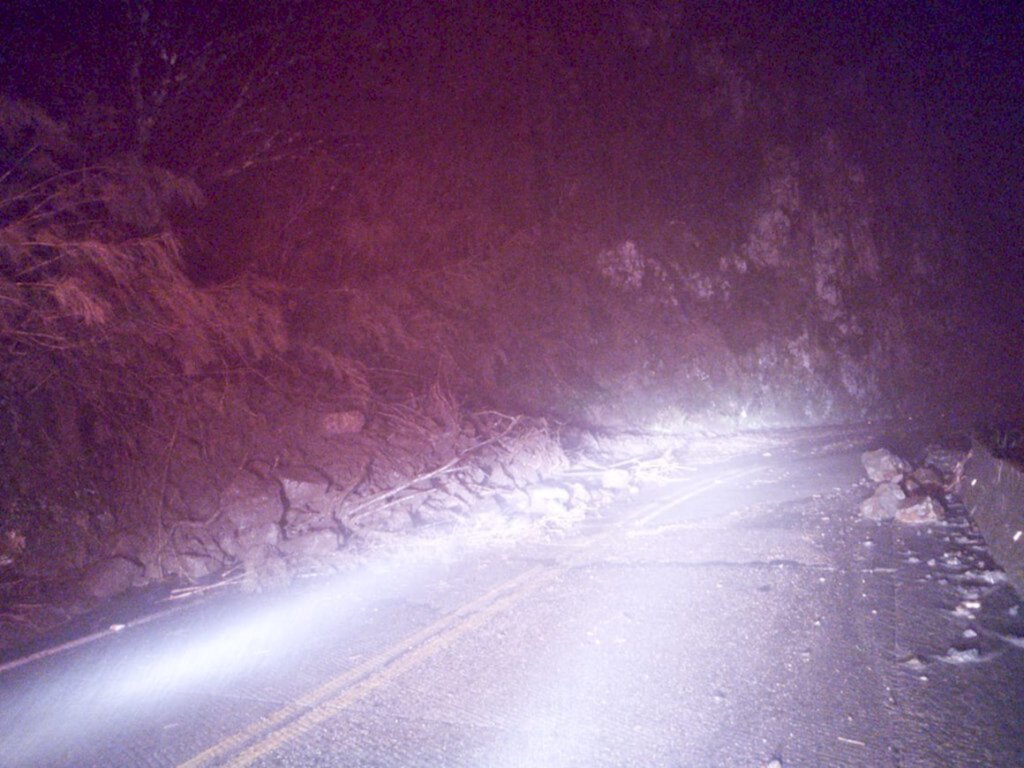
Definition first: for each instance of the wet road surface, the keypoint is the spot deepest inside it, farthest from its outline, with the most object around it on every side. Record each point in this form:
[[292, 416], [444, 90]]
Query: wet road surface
[[729, 615]]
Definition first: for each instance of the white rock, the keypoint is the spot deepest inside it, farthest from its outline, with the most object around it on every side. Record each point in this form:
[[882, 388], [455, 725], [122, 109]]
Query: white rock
[[615, 479], [957, 656], [543, 494], [883, 466]]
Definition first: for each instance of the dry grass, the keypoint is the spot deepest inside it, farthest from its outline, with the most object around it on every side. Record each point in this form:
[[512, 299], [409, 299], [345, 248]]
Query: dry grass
[[106, 346]]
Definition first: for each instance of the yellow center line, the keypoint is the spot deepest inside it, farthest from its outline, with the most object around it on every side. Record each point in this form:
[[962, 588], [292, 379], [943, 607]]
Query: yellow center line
[[338, 693], [338, 704], [351, 676], [648, 515]]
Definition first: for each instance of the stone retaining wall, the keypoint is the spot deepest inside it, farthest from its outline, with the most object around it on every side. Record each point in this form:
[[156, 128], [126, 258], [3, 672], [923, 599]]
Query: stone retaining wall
[[993, 490]]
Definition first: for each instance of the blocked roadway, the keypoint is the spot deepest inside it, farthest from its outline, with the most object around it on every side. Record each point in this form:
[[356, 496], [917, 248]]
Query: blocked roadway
[[729, 616]]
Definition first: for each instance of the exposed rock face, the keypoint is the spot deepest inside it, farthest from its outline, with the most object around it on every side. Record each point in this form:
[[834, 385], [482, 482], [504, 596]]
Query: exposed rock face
[[884, 466]]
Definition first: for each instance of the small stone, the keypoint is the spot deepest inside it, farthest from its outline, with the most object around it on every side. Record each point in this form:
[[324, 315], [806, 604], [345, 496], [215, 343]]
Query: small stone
[[248, 500], [957, 656], [434, 512], [258, 536], [487, 505], [963, 611], [12, 545]]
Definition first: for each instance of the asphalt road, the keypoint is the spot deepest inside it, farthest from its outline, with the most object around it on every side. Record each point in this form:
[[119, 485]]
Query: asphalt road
[[730, 615]]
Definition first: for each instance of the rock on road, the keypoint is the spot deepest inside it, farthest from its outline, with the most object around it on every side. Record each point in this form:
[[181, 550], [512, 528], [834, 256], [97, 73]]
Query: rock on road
[[734, 615]]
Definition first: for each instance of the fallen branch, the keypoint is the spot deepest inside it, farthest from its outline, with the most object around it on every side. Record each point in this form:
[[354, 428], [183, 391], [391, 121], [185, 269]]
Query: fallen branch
[[361, 510], [182, 593]]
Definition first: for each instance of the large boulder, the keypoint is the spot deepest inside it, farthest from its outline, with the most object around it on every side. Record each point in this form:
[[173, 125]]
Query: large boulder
[[884, 466], [884, 503], [919, 510]]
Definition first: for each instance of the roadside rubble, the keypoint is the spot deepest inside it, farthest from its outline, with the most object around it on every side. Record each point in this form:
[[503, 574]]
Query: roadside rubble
[[348, 487], [298, 516], [906, 494], [306, 520]]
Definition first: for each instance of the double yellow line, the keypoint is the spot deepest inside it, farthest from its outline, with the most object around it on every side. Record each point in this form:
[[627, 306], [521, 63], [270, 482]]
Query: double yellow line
[[340, 692], [337, 694]]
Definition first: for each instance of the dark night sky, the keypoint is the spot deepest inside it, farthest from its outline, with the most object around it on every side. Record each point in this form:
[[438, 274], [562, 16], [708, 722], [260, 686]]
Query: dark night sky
[[959, 65]]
